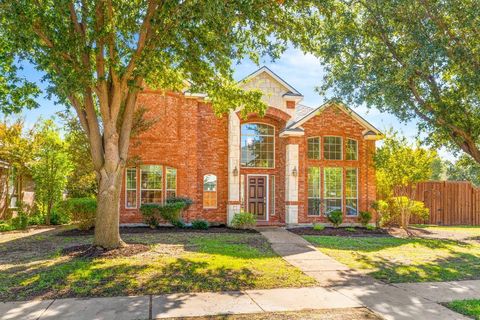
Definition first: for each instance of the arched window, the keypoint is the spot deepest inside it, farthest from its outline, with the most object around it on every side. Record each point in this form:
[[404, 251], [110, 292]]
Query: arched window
[[209, 191], [258, 145]]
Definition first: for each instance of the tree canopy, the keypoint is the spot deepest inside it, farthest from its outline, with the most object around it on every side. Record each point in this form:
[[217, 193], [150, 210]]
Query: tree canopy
[[418, 59], [97, 55]]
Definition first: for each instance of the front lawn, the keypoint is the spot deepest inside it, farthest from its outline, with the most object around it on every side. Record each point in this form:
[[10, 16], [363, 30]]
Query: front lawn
[[159, 262], [404, 259], [469, 308]]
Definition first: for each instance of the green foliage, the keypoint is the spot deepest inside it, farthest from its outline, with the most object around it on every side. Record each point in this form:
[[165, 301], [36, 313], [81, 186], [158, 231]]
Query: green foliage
[[318, 227], [365, 217], [50, 167], [398, 210], [244, 220], [350, 229], [415, 59], [200, 224], [82, 181], [399, 165], [20, 222], [464, 169], [370, 227], [335, 217], [154, 213], [82, 211], [186, 201], [6, 226]]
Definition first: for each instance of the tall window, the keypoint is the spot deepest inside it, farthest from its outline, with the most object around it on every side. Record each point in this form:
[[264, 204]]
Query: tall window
[[13, 187], [313, 191], [258, 145], [209, 191], [171, 182], [131, 188], [332, 148], [332, 189], [351, 191], [352, 149], [151, 185], [313, 145]]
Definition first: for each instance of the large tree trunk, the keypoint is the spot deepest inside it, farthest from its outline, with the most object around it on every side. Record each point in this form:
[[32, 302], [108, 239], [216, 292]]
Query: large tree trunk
[[107, 233]]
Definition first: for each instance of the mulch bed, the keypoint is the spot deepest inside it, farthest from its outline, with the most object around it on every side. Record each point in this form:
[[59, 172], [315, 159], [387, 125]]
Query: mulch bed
[[130, 230], [89, 251], [340, 232]]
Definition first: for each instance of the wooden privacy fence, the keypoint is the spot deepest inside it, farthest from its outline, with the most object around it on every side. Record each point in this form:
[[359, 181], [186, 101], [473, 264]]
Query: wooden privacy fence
[[450, 202]]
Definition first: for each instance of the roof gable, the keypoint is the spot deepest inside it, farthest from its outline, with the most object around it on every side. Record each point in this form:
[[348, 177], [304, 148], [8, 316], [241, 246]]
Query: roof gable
[[350, 112], [290, 91]]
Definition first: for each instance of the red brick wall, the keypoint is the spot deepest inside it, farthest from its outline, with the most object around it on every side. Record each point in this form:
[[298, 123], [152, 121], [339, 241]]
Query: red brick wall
[[335, 122], [188, 136]]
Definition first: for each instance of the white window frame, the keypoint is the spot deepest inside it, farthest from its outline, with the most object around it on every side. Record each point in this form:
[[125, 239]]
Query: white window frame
[[325, 195], [319, 192], [320, 144], [127, 189], [341, 148], [274, 144], [15, 191], [162, 184], [166, 182], [356, 192], [356, 149]]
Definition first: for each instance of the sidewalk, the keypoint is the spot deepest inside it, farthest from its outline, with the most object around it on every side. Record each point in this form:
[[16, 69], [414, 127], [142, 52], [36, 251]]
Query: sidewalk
[[405, 301]]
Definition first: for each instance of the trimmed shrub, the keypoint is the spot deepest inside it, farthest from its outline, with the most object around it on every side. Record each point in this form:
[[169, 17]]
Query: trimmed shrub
[[186, 200], [399, 210], [318, 227], [171, 211], [82, 211], [371, 228], [6, 226], [365, 217], [244, 220], [335, 217], [200, 224], [20, 222], [350, 229]]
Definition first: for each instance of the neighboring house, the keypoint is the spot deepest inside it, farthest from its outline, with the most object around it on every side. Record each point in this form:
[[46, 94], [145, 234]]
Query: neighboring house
[[292, 166], [14, 189]]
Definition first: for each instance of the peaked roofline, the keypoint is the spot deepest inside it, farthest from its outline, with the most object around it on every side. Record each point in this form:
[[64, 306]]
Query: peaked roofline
[[292, 90], [344, 108]]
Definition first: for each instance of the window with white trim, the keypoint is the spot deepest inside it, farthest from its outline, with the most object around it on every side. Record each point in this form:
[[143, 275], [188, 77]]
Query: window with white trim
[[131, 188], [151, 184], [332, 148], [257, 145], [313, 148], [351, 191], [314, 191], [351, 150], [209, 191], [171, 182], [332, 189]]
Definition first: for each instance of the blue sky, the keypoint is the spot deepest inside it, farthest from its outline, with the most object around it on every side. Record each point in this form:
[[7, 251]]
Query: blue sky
[[303, 72]]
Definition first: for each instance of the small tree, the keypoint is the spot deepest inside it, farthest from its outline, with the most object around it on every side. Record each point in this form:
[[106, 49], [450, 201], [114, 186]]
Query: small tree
[[400, 165], [464, 169], [50, 167]]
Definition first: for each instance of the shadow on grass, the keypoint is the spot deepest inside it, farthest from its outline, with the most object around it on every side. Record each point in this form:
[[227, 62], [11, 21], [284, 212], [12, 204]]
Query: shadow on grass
[[80, 277], [459, 266]]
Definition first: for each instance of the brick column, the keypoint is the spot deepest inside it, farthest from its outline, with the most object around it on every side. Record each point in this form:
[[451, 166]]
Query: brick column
[[291, 184], [233, 205]]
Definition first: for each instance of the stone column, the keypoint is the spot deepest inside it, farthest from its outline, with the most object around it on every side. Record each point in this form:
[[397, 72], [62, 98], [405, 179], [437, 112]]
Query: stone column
[[233, 205], [291, 184]]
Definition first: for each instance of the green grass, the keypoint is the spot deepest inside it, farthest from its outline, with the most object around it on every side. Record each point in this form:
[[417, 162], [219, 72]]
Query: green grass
[[469, 308], [33, 266], [470, 230], [404, 260]]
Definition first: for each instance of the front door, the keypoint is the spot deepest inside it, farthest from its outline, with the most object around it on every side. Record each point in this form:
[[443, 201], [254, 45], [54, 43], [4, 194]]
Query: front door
[[257, 196]]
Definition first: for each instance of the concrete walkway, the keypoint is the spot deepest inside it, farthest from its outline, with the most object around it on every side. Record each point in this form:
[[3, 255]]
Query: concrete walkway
[[406, 301], [339, 287]]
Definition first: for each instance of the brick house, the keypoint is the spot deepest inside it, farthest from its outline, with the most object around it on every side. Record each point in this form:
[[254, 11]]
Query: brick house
[[292, 166], [14, 190]]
